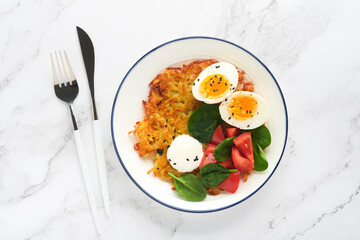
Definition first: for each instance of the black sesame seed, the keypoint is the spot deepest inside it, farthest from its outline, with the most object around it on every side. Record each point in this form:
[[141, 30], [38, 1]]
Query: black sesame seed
[[248, 125], [165, 125], [215, 76], [217, 66], [250, 111], [229, 118], [158, 168], [149, 135], [225, 99], [247, 111], [174, 163], [213, 81], [232, 114], [220, 78], [225, 84], [169, 160], [198, 79], [214, 90], [164, 140], [193, 84], [166, 120], [218, 82], [160, 151], [174, 130], [168, 146], [210, 84], [206, 155], [173, 137], [188, 79], [153, 138], [187, 159]]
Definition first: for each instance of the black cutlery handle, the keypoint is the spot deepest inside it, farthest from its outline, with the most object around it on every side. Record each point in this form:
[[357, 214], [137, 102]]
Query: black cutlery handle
[[95, 115], [73, 118]]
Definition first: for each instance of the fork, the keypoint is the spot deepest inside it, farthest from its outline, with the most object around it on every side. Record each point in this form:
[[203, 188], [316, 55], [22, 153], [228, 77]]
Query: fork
[[67, 89]]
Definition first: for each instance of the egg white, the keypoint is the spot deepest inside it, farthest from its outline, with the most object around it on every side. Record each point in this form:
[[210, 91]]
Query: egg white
[[222, 68], [253, 122]]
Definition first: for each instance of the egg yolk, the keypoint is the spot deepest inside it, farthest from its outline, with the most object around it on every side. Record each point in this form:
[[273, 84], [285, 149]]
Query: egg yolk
[[214, 86], [242, 107]]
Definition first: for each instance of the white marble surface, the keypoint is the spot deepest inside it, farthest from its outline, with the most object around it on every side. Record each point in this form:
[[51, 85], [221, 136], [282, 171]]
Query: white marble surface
[[312, 48]]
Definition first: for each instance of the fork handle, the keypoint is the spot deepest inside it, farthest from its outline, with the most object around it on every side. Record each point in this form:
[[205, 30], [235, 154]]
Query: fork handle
[[101, 165], [87, 180]]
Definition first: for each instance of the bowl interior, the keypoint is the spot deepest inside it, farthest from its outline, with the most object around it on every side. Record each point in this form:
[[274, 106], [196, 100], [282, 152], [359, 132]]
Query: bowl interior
[[128, 109]]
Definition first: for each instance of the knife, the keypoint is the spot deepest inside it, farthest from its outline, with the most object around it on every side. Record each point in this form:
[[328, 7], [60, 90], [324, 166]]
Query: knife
[[88, 53]]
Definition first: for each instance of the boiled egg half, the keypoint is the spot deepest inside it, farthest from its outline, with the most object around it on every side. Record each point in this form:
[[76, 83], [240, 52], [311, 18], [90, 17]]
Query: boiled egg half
[[215, 83], [245, 110]]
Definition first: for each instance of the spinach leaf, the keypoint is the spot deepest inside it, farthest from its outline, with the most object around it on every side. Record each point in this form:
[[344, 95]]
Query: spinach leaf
[[203, 122], [260, 161], [222, 151], [212, 174], [190, 187], [261, 136]]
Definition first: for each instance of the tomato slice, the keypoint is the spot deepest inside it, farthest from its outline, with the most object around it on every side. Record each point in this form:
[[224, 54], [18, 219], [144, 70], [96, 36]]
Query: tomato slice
[[218, 136], [241, 163], [210, 148], [232, 132], [207, 158], [231, 184], [244, 144], [228, 164]]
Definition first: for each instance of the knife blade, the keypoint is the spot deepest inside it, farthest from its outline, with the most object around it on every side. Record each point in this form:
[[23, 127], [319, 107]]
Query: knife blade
[[88, 53]]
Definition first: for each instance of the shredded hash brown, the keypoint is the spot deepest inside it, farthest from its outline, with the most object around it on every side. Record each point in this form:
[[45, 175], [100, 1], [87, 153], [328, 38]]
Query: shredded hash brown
[[167, 110]]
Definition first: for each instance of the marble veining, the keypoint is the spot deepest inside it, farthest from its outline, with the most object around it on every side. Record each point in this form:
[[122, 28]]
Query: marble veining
[[311, 48], [327, 214]]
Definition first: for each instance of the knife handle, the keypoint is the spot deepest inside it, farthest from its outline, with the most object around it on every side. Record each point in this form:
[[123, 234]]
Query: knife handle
[[87, 180], [101, 165]]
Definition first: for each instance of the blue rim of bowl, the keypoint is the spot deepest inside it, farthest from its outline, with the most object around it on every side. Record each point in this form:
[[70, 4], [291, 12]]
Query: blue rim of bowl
[[127, 172]]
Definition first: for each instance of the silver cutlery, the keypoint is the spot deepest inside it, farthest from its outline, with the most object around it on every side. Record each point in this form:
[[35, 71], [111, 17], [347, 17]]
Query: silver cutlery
[[88, 53], [67, 89]]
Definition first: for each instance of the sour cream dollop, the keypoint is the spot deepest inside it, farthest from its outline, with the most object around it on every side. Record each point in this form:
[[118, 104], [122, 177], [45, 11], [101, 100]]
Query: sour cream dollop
[[185, 153]]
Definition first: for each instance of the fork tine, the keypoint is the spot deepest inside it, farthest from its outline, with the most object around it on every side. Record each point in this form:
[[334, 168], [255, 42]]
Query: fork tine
[[60, 72], [55, 78], [72, 75], [66, 76]]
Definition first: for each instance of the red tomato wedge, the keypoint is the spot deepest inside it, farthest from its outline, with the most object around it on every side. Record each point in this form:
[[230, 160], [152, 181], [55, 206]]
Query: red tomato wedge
[[210, 148], [228, 164], [231, 184], [218, 136], [244, 144], [232, 132], [241, 163], [207, 158]]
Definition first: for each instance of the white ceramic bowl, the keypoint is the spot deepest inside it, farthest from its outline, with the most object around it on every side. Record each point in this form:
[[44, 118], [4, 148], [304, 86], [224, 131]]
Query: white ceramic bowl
[[128, 109]]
